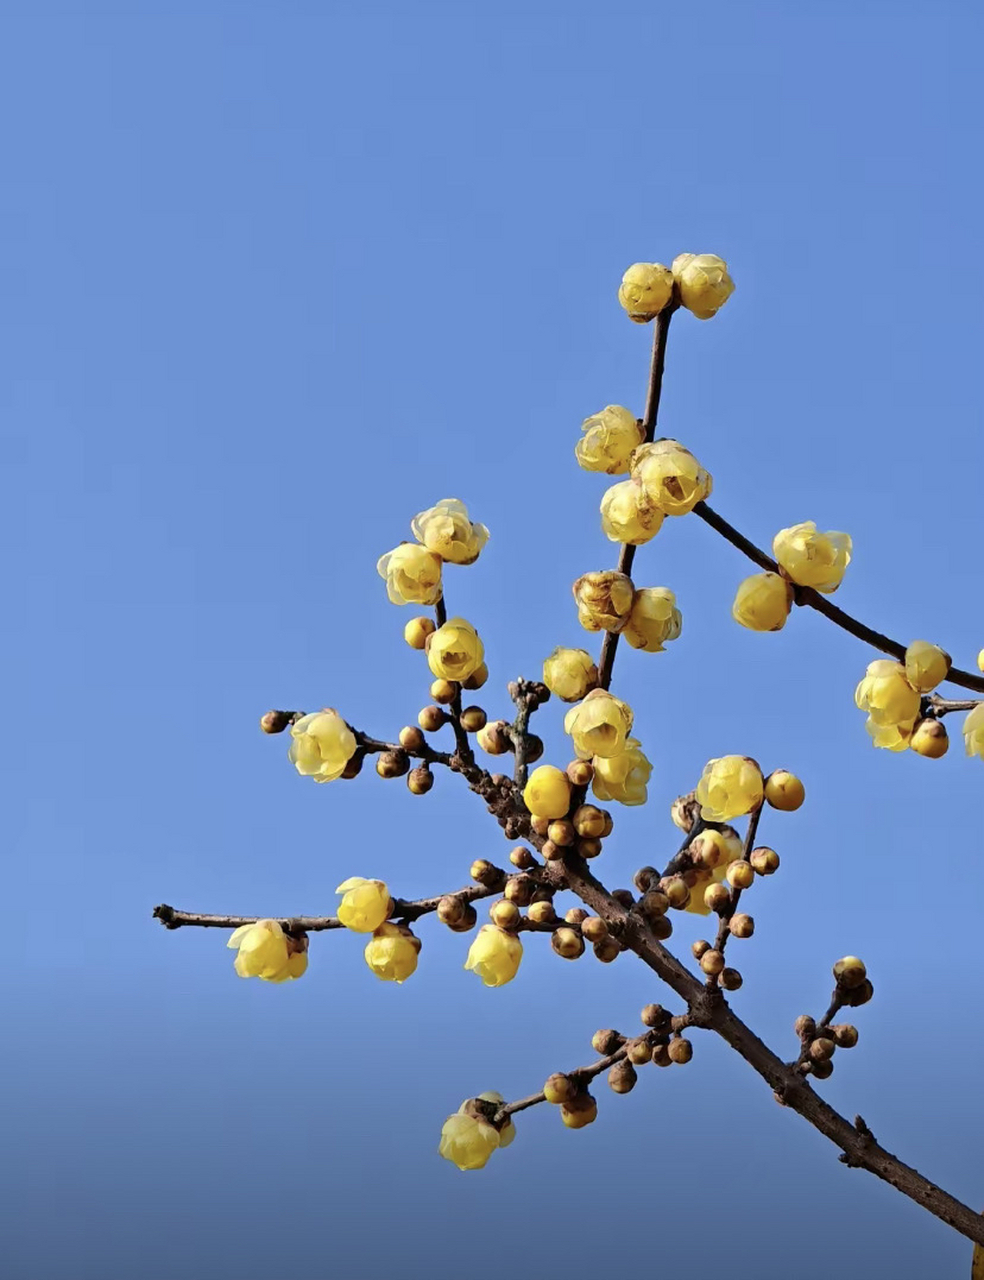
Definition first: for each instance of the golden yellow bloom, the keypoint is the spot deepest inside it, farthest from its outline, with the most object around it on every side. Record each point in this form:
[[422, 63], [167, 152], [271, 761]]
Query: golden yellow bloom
[[622, 777], [973, 732], [627, 514], [926, 665], [412, 573], [467, 1141], [494, 955], [671, 476], [265, 951], [645, 290], [570, 673], [446, 530], [366, 904], [654, 619], [599, 725], [729, 787], [886, 695], [322, 745], [892, 737], [391, 953], [547, 793], [603, 600], [455, 651], [762, 602], [811, 558], [703, 283], [608, 440]]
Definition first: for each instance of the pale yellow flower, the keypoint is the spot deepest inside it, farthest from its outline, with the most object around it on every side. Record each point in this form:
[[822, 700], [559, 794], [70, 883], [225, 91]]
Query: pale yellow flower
[[811, 558], [446, 530], [671, 476], [265, 951], [654, 619], [623, 777], [886, 695], [322, 745], [570, 673], [628, 515], [608, 440], [391, 953], [603, 600], [973, 732], [494, 955], [729, 787], [891, 737], [508, 1130], [926, 665], [645, 290], [412, 573], [455, 651], [599, 725], [702, 282], [365, 904], [762, 602], [467, 1141]]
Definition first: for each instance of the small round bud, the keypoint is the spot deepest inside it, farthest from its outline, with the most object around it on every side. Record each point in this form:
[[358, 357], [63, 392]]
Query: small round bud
[[534, 748], [576, 915], [520, 889], [594, 929], [443, 691], [522, 858], [562, 833], [420, 780], [639, 1051], [468, 920], [609, 825], [764, 861], [411, 738], [392, 764], [683, 811], [645, 878], [849, 972], [654, 1015], [845, 1036], [567, 943], [473, 719], [417, 630], [487, 873], [660, 1056], [717, 897], [580, 1111], [624, 897], [741, 926], [680, 1050], [740, 875], [606, 1041], [783, 790], [552, 852], [476, 679], [540, 825], [822, 1069], [622, 1077], [654, 904], [700, 948], [493, 738], [805, 1026], [661, 927], [588, 848], [677, 891], [730, 979], [821, 1048], [559, 1088], [589, 821], [276, 721], [430, 719], [929, 738], [542, 912], [858, 995], [505, 914], [545, 893], [707, 849], [712, 962], [607, 949], [450, 909], [580, 772]]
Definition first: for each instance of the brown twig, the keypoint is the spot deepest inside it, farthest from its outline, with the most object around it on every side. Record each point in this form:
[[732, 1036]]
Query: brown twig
[[581, 1074], [724, 930]]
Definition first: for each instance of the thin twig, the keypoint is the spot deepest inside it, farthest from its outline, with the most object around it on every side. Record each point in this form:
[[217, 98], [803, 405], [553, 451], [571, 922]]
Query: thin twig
[[580, 1074]]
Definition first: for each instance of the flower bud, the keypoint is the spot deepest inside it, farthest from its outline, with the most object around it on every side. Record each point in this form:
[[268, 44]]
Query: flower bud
[[684, 812], [446, 530], [576, 915], [392, 764], [580, 772], [603, 600], [849, 972], [702, 282], [443, 691], [411, 738], [520, 889], [712, 962], [606, 1041], [420, 780], [608, 440], [495, 955], [671, 476], [628, 515], [567, 943], [762, 602], [654, 1016], [660, 1056], [607, 950], [680, 1050], [858, 995], [594, 929], [417, 630], [845, 1036], [717, 897], [494, 738], [455, 650], [473, 719], [783, 790], [477, 678], [431, 719], [764, 861], [811, 558], [700, 947], [468, 921], [926, 665], [390, 953], [487, 873], [622, 1077], [505, 914], [581, 1110], [823, 1069], [542, 912], [654, 904], [929, 738], [821, 1048], [276, 721], [451, 909], [559, 1088], [730, 979], [547, 793], [740, 875], [741, 925], [639, 1051], [412, 573], [645, 290], [676, 890]]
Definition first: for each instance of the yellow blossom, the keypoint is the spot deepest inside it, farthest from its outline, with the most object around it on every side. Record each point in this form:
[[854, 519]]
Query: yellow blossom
[[722, 848], [494, 955], [762, 602], [412, 573], [622, 777], [645, 290], [547, 793], [729, 787], [603, 600], [892, 737], [599, 725], [671, 476], [454, 651], [391, 953], [446, 530], [365, 905], [703, 283], [886, 695], [783, 790], [628, 515], [654, 619], [608, 440], [508, 1131], [467, 1141], [973, 732], [265, 951], [322, 745], [570, 673], [926, 665], [811, 558]]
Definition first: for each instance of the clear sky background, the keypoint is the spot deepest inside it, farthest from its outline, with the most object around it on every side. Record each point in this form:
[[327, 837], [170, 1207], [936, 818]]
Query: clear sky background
[[272, 279]]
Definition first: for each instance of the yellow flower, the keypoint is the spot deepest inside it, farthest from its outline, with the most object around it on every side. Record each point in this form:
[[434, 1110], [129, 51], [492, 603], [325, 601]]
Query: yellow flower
[[671, 476], [467, 1141], [322, 745], [703, 283], [547, 793], [622, 777], [653, 619], [973, 732], [454, 651], [265, 951], [608, 440], [366, 904], [628, 515], [603, 600], [886, 695], [892, 737], [810, 558], [645, 290], [391, 952], [494, 955], [446, 530], [412, 573], [508, 1130], [762, 602], [980, 661], [925, 665], [599, 725], [570, 673], [729, 787]]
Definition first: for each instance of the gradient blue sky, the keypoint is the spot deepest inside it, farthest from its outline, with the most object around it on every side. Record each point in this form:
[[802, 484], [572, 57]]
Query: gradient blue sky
[[274, 277]]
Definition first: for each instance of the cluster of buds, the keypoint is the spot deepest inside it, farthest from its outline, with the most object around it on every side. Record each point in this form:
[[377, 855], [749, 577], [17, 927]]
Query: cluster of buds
[[820, 1040], [697, 281]]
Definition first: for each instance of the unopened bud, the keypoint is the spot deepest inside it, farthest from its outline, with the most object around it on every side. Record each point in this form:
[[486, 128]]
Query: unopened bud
[[580, 772], [420, 780], [444, 691], [684, 811], [712, 962], [607, 949], [561, 832], [494, 738], [622, 1077], [849, 972], [276, 721], [411, 738], [430, 719], [541, 912], [764, 861], [588, 848], [822, 1047], [594, 929], [680, 1050], [451, 909], [520, 889], [741, 926], [845, 1036], [654, 1016], [473, 719], [607, 1041], [392, 764], [740, 875], [487, 873], [476, 679], [567, 943], [730, 979]]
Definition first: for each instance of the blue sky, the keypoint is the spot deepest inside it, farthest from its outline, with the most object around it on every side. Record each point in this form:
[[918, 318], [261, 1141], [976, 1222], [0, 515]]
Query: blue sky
[[271, 283]]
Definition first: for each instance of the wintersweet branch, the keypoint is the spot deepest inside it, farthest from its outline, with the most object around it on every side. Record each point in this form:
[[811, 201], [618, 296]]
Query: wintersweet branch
[[807, 596]]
